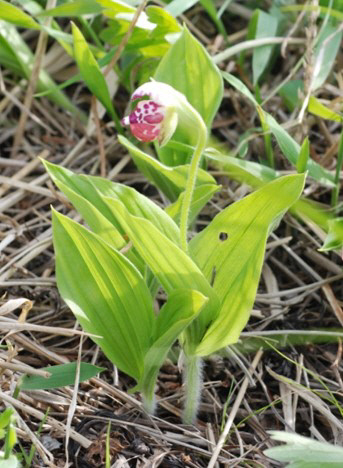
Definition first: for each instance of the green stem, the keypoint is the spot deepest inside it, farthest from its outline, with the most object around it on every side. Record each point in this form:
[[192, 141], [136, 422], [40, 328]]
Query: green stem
[[193, 383], [190, 184], [148, 395], [339, 164]]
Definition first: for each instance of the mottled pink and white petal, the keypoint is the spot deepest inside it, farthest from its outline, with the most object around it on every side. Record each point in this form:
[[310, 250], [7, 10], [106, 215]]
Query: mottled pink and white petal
[[145, 132]]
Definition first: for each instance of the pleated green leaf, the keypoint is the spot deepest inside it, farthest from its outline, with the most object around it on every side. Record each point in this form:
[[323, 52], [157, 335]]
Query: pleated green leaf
[[106, 293], [230, 253], [87, 195], [172, 266], [84, 197]]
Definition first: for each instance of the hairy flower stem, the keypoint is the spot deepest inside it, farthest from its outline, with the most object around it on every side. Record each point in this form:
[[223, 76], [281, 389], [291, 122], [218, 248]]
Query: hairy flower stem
[[149, 400], [193, 383], [192, 175]]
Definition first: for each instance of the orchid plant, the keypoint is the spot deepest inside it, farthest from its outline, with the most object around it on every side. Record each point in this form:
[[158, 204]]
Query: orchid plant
[[109, 274], [156, 117]]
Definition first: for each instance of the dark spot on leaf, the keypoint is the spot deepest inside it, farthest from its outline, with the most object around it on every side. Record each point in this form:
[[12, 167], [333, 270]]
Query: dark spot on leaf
[[213, 276], [223, 236]]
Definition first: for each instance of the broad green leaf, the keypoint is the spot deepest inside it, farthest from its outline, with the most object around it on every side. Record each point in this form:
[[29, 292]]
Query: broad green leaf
[[189, 69], [334, 239], [61, 376], [201, 195], [98, 215], [12, 14], [261, 25], [171, 180], [304, 154], [230, 253], [88, 203], [105, 292], [172, 267], [77, 8], [91, 72], [304, 452], [327, 47], [17, 56], [317, 108], [180, 310]]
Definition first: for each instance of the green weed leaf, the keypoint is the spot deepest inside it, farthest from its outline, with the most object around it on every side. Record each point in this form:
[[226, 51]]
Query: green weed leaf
[[14, 15], [291, 150], [77, 8], [61, 376], [303, 452], [261, 25], [5, 417], [334, 239], [17, 56], [289, 147], [304, 154], [90, 71], [317, 108], [325, 53]]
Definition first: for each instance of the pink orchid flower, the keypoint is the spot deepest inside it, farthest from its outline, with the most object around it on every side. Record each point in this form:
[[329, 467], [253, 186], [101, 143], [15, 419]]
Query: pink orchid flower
[[157, 113]]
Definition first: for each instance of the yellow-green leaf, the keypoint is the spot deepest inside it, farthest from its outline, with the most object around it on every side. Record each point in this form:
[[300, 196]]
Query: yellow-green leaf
[[105, 292], [230, 253]]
